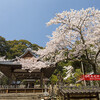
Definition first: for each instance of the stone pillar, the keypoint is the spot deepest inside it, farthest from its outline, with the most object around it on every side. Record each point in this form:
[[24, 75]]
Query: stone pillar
[[83, 70]]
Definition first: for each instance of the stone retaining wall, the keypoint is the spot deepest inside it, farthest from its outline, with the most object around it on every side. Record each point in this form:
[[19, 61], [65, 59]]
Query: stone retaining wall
[[21, 96]]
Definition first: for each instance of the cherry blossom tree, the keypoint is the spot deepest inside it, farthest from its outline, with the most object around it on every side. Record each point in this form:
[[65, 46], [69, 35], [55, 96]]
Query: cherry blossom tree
[[77, 36], [29, 64], [32, 64]]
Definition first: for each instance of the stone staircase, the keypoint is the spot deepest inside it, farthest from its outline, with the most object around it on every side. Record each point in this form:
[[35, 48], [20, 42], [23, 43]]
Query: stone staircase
[[21, 96]]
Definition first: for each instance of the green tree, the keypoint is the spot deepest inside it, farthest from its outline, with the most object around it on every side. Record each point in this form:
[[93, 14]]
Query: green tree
[[3, 46], [4, 80], [74, 77], [54, 79], [18, 47]]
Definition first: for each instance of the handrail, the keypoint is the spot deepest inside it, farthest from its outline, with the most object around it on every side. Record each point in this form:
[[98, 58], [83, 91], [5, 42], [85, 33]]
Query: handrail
[[22, 90]]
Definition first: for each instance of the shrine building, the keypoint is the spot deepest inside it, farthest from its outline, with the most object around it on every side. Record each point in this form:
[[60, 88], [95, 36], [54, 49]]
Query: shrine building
[[14, 70]]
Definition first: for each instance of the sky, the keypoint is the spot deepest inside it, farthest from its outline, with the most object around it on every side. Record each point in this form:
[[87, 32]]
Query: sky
[[26, 19]]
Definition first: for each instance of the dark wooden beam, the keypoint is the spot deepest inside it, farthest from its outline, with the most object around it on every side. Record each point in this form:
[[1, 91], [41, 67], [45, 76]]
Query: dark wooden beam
[[28, 72], [85, 97], [68, 96], [98, 96], [41, 80]]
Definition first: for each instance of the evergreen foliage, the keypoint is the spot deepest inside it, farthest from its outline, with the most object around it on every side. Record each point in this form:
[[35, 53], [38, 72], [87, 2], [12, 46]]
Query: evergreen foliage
[[14, 48]]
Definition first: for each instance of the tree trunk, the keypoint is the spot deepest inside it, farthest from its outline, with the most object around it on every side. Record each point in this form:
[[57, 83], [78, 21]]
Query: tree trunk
[[95, 72], [94, 68]]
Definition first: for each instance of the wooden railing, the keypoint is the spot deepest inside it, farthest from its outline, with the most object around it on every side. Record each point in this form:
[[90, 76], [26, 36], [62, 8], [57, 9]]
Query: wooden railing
[[9, 86], [22, 90]]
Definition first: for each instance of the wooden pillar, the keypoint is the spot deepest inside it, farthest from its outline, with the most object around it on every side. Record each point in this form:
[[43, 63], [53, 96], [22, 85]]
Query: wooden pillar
[[90, 97], [16, 83], [41, 80], [97, 96], [64, 96], [68, 97], [9, 82]]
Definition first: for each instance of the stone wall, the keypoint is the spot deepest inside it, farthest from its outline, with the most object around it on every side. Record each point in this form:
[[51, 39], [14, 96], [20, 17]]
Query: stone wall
[[21, 96]]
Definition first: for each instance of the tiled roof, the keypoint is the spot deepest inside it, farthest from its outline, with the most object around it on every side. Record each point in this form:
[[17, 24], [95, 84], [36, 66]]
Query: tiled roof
[[8, 63], [82, 89]]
